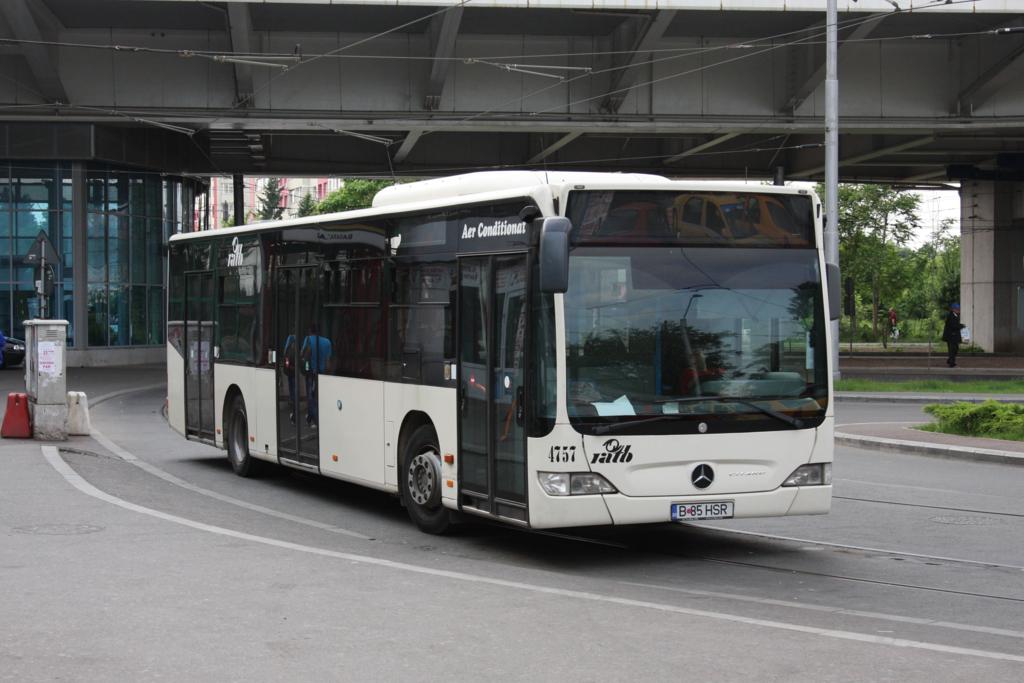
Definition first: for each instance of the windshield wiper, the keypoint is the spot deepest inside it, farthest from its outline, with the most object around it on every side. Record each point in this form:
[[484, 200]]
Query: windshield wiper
[[613, 426], [794, 422]]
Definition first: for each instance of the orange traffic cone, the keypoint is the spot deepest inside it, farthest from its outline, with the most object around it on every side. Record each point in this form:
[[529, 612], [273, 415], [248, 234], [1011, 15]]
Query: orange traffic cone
[[17, 423]]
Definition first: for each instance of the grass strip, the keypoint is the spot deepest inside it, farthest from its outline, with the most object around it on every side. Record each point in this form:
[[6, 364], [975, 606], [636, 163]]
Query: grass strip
[[991, 419], [942, 386]]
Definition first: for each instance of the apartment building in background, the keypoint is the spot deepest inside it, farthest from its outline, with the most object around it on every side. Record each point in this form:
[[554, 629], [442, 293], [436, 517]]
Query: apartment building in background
[[222, 188]]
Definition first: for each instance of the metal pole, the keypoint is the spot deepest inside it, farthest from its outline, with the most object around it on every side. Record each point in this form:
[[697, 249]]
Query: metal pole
[[238, 187], [832, 159], [42, 283]]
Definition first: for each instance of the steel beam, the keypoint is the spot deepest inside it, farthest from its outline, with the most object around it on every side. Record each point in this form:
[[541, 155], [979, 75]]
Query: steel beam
[[646, 32], [443, 31], [41, 62], [700, 148], [411, 138], [554, 147], [868, 155], [939, 173], [992, 80], [240, 25], [800, 95]]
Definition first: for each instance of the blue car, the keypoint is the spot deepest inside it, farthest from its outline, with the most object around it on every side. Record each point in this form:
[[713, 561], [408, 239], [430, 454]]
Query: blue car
[[14, 353]]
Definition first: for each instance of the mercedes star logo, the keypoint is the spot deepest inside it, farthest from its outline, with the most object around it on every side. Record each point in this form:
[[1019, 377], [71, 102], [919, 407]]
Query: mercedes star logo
[[702, 476]]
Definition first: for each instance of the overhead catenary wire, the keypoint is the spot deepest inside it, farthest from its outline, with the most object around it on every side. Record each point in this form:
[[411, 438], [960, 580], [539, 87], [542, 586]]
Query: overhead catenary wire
[[748, 43]]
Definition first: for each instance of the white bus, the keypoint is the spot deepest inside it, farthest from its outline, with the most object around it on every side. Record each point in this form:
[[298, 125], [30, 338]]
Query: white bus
[[544, 349]]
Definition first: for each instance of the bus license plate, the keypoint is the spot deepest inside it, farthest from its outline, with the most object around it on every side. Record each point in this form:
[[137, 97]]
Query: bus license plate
[[712, 510]]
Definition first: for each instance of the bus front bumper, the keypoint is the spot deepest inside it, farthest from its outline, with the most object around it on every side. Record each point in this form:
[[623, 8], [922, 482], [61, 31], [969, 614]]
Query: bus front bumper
[[796, 500]]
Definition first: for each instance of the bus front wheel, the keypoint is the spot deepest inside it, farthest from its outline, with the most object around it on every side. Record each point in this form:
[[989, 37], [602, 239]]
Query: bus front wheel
[[420, 481], [237, 431]]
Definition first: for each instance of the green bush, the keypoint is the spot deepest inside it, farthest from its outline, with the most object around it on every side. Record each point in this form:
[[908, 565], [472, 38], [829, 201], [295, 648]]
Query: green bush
[[990, 419]]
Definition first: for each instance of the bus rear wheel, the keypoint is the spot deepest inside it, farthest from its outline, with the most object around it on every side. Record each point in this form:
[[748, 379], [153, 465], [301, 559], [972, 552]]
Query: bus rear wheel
[[420, 481], [237, 433]]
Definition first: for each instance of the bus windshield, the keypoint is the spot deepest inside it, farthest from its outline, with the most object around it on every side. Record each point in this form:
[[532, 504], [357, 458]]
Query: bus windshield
[[692, 217], [734, 336]]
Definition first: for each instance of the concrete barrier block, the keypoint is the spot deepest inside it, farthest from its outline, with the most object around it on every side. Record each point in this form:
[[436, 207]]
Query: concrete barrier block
[[78, 414]]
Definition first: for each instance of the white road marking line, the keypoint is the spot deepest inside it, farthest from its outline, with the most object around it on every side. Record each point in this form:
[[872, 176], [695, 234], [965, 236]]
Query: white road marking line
[[170, 478], [835, 610], [883, 551], [121, 392], [910, 486], [73, 478]]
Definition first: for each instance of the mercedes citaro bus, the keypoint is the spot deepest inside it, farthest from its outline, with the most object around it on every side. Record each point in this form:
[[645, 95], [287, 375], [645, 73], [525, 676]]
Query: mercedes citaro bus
[[544, 349]]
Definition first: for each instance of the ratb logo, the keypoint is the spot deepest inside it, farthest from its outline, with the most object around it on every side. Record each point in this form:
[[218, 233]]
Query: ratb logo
[[613, 452]]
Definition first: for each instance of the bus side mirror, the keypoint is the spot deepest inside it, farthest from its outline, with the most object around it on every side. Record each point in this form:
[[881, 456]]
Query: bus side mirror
[[832, 282], [554, 254]]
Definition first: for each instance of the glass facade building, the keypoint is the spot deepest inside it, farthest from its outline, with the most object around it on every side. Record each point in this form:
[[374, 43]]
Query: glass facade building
[[34, 198], [109, 226]]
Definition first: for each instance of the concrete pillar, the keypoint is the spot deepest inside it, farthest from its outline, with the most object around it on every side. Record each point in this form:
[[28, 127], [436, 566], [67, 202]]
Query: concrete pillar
[[992, 263]]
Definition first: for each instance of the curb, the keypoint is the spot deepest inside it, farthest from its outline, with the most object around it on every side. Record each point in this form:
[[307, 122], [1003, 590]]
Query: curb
[[854, 397], [935, 450]]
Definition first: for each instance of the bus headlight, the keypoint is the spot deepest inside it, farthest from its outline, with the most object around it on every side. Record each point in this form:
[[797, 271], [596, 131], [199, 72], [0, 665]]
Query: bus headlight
[[818, 474], [574, 483]]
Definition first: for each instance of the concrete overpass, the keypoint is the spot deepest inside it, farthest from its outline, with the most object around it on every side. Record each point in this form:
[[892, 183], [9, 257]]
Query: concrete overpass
[[930, 91]]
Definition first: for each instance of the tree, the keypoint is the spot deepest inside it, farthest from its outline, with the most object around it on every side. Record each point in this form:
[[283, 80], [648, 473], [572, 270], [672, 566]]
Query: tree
[[307, 207], [270, 201], [356, 193], [875, 224]]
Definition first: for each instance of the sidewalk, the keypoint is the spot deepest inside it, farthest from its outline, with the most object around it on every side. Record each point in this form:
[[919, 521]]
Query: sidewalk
[[897, 365], [903, 438], [95, 382]]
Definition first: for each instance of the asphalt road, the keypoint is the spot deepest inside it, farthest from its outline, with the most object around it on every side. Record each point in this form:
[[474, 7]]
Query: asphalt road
[[171, 568]]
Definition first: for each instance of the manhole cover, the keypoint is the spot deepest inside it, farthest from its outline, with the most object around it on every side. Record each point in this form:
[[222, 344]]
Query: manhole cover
[[966, 521], [58, 529]]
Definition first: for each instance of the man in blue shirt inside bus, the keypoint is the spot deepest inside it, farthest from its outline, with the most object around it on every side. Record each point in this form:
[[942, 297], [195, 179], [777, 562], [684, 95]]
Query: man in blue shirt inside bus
[[316, 352]]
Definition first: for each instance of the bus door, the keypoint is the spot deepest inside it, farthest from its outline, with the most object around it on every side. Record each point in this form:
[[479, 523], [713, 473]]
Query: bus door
[[199, 411], [492, 341], [295, 309]]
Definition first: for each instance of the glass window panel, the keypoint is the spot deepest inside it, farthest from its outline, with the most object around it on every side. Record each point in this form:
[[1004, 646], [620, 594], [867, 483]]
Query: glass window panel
[[152, 206], [5, 310], [5, 237], [6, 191], [21, 247], [96, 246], [97, 306], [34, 192], [117, 248], [136, 195], [26, 306], [65, 189], [117, 192], [138, 311], [95, 191], [30, 223], [66, 244], [156, 316], [154, 253], [68, 309], [138, 249], [119, 318]]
